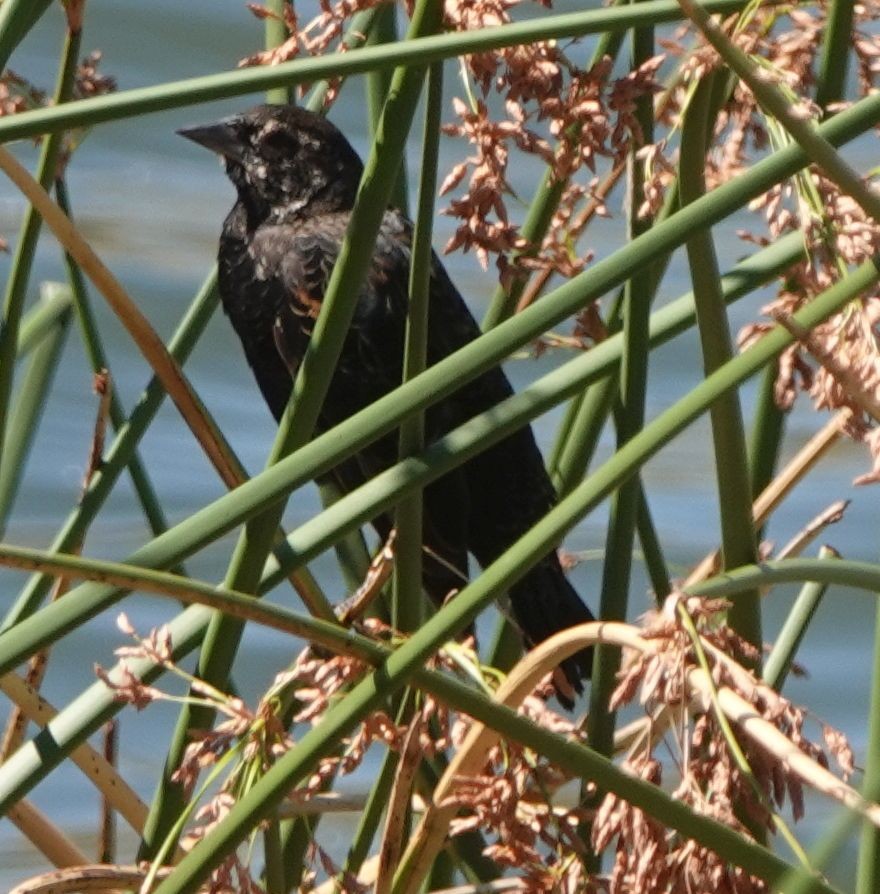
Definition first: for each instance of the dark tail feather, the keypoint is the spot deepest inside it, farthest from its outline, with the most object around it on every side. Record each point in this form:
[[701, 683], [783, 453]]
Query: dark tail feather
[[543, 603]]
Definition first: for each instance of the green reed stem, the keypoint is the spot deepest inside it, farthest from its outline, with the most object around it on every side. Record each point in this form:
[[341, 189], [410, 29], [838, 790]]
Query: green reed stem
[[781, 658], [376, 86], [275, 35], [407, 607], [40, 319], [296, 836], [844, 573], [371, 815], [655, 563], [577, 441], [868, 864], [27, 410], [351, 552], [624, 503], [767, 433], [578, 445], [274, 871], [19, 276], [731, 464], [836, 51], [17, 17]]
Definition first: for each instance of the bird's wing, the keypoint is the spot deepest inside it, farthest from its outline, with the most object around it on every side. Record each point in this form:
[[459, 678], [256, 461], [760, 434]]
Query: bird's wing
[[297, 263]]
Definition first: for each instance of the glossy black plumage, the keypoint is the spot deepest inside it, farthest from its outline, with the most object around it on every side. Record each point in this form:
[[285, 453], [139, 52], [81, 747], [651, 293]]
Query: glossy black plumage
[[296, 176]]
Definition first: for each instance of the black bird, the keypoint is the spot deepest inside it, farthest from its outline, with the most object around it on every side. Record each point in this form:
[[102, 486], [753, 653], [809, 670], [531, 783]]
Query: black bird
[[296, 176]]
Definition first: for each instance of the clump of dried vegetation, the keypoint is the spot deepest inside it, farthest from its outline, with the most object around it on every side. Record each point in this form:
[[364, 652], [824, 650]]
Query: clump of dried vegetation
[[515, 800]]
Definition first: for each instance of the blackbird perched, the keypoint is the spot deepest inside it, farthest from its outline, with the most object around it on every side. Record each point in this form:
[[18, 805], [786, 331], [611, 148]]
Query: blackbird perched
[[296, 177]]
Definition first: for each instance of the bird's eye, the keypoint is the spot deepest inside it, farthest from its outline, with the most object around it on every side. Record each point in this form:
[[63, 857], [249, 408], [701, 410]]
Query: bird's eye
[[277, 141]]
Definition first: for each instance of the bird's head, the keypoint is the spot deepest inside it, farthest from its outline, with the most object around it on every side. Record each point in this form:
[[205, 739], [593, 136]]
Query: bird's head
[[283, 160]]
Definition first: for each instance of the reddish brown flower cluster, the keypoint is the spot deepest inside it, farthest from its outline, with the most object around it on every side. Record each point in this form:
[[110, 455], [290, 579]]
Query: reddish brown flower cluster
[[232, 876], [17, 94], [564, 115], [90, 81], [313, 38], [317, 859], [323, 679], [837, 362], [259, 737], [123, 681], [647, 857], [488, 183], [641, 855], [510, 804]]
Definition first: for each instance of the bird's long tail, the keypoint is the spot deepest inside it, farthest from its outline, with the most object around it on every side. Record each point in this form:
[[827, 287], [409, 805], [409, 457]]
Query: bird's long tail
[[543, 603]]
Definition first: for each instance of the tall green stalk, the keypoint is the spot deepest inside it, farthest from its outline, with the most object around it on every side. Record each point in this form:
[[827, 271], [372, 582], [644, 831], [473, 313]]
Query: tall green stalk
[[276, 34], [40, 319], [781, 658], [408, 519], [377, 84], [728, 435], [655, 563], [352, 554], [623, 512], [836, 50], [17, 17], [868, 865], [577, 444], [377, 801], [14, 17], [27, 410], [767, 432]]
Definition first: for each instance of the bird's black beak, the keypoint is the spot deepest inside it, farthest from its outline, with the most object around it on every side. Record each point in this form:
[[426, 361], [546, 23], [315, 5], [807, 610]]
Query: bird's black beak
[[220, 137]]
